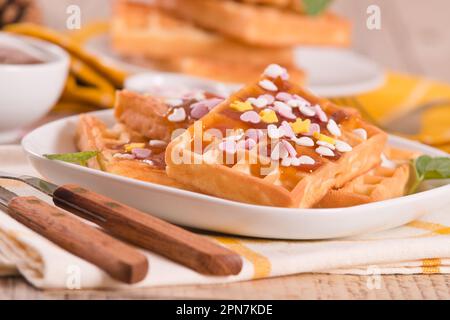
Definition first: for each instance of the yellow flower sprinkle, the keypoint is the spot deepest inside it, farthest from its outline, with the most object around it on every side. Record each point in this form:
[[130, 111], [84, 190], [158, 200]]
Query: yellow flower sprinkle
[[241, 106], [325, 138], [268, 116], [131, 146], [300, 126]]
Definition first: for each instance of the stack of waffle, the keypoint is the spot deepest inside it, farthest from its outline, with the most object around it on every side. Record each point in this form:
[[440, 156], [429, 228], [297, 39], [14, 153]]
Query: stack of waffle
[[271, 143], [226, 40]]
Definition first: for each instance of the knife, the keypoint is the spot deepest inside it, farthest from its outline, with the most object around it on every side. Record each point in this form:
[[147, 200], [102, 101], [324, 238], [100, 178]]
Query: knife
[[116, 258], [139, 228]]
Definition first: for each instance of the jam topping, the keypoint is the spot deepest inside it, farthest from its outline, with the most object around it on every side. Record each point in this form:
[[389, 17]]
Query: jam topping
[[149, 153]]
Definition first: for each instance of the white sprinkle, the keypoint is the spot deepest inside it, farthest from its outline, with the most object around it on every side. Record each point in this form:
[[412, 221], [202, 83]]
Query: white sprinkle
[[293, 103], [286, 162], [324, 151], [258, 102], [280, 104], [286, 130], [125, 156], [304, 141], [268, 85], [295, 162], [361, 133], [342, 146], [174, 102], [199, 95], [301, 101], [273, 132], [386, 163], [289, 148], [326, 144], [274, 71], [306, 160], [178, 115], [307, 111], [149, 162], [157, 143], [334, 128], [284, 110]]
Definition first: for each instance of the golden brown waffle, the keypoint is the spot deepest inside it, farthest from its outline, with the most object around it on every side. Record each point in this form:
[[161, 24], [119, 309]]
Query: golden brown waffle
[[149, 115], [93, 135], [140, 30], [218, 166], [262, 25], [386, 181]]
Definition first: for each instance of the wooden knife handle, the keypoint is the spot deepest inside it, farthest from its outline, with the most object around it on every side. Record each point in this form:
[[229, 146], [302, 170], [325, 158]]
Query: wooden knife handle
[[146, 231], [119, 260]]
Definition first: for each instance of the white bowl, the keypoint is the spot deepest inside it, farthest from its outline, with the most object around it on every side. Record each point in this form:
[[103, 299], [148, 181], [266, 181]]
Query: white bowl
[[211, 213], [29, 91]]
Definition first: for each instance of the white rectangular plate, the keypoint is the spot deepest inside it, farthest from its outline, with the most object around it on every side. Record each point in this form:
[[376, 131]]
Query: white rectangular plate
[[214, 214]]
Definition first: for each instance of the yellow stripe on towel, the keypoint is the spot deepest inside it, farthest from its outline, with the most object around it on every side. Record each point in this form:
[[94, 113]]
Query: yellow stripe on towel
[[431, 266], [261, 264], [435, 228]]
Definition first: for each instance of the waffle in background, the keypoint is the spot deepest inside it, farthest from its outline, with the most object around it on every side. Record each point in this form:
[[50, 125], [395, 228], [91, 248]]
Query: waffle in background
[[144, 33], [263, 25]]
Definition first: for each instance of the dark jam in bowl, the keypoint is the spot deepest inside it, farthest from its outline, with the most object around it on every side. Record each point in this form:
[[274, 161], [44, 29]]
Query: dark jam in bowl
[[15, 56]]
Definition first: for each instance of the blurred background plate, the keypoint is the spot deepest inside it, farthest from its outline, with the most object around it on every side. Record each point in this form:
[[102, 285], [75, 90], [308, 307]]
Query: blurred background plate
[[331, 72]]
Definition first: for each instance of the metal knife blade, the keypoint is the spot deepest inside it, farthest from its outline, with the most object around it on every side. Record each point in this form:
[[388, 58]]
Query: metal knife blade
[[6, 196], [49, 189], [39, 184]]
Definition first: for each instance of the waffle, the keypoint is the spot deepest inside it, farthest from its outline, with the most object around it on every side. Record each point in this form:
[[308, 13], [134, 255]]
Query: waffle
[[149, 115], [93, 135], [265, 170], [262, 25], [386, 181], [140, 30]]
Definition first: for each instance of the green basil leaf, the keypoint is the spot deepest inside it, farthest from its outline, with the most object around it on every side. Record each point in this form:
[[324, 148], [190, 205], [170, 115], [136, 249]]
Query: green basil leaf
[[80, 158], [438, 168], [428, 168], [421, 164], [315, 7]]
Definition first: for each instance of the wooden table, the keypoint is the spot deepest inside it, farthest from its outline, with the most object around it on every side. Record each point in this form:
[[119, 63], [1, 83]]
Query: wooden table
[[413, 38]]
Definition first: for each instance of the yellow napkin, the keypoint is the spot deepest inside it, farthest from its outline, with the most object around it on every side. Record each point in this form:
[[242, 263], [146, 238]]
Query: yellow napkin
[[402, 94]]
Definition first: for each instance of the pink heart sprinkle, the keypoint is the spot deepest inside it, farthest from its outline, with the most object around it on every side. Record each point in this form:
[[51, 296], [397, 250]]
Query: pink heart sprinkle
[[211, 103], [269, 98], [250, 116], [199, 110], [141, 153], [285, 112], [283, 96], [289, 148], [287, 129], [314, 127], [322, 115]]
